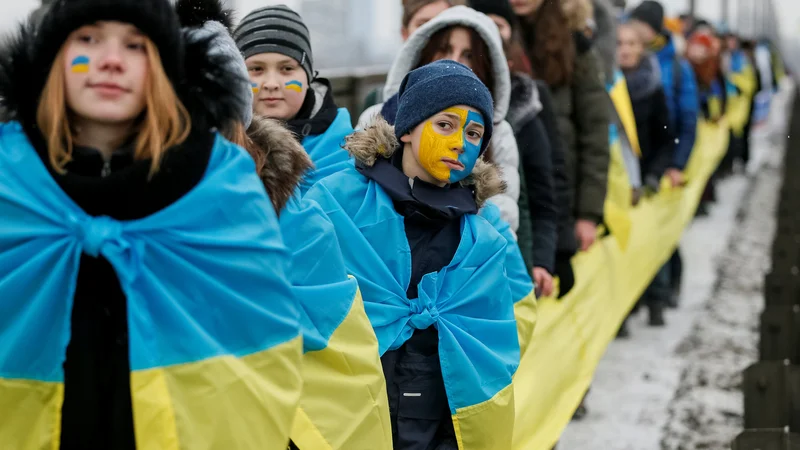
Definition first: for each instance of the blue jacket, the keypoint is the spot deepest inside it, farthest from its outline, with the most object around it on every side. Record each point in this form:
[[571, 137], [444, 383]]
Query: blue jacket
[[682, 101]]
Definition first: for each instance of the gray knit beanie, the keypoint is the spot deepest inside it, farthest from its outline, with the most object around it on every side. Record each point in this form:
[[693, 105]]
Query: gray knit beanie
[[276, 29], [223, 44]]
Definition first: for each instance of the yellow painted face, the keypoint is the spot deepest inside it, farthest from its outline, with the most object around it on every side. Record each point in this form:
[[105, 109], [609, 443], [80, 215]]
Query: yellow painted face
[[438, 153]]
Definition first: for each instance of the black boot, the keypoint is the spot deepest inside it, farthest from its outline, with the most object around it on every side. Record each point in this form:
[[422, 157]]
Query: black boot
[[657, 315], [623, 332]]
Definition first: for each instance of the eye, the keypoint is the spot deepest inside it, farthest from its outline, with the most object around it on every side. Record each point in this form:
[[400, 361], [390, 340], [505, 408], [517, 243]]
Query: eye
[[86, 38], [468, 55], [445, 125], [472, 134], [255, 69], [287, 69], [136, 46]]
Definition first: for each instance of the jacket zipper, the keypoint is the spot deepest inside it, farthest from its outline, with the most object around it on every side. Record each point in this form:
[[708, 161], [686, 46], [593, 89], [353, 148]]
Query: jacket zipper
[[106, 171]]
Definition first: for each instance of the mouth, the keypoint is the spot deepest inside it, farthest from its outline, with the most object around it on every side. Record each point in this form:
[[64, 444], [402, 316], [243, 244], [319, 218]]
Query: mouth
[[453, 164], [271, 100], [108, 88]]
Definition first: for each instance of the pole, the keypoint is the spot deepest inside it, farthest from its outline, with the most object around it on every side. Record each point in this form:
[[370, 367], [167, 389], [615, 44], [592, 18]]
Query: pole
[[692, 7], [726, 13]]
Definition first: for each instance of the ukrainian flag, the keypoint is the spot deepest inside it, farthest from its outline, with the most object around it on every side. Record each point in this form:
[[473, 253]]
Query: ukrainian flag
[[344, 403], [80, 64], [213, 323]]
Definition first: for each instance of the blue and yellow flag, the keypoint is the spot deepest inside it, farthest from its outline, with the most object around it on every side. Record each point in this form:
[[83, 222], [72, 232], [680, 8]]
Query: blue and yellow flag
[[344, 403], [213, 324], [469, 302], [741, 87], [326, 152]]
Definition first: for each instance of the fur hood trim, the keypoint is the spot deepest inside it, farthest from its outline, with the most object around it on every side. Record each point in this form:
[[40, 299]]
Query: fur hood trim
[[208, 88], [378, 140], [285, 160]]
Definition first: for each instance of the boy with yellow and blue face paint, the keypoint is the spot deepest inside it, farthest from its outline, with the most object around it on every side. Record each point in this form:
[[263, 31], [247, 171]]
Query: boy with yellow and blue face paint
[[431, 258]]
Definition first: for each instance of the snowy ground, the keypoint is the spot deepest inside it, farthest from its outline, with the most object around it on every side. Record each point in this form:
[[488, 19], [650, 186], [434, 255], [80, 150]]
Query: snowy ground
[[678, 388]]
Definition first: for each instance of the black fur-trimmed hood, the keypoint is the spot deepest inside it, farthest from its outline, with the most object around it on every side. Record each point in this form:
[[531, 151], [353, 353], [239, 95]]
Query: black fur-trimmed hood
[[208, 87]]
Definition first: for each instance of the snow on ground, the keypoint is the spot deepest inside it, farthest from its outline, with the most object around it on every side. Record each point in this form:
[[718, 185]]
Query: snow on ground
[[677, 387]]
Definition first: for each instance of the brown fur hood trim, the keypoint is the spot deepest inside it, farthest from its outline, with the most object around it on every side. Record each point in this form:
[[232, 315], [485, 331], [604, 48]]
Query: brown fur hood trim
[[281, 159], [378, 140]]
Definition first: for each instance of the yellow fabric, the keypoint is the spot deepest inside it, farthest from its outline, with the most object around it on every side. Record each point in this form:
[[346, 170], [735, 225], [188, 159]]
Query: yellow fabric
[[572, 334], [715, 108], [739, 105], [526, 313], [245, 403], [344, 403], [488, 425], [618, 197], [622, 103], [30, 414]]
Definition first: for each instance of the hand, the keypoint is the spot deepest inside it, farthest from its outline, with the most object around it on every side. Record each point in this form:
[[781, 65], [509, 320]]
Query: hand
[[675, 177], [636, 196], [544, 282], [586, 232]]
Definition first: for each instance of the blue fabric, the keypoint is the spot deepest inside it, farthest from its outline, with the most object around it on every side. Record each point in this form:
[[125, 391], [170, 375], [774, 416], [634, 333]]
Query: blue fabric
[[204, 277], [682, 101], [519, 280], [318, 275], [326, 152], [437, 86], [469, 301]]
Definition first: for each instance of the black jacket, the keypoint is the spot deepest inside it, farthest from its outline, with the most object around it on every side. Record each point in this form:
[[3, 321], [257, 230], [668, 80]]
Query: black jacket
[[432, 219], [537, 161], [97, 411], [652, 120]]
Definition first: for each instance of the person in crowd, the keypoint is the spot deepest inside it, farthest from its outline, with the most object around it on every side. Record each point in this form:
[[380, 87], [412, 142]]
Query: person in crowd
[[466, 36], [276, 45], [416, 13], [703, 52], [140, 250], [564, 59], [418, 234], [337, 335], [742, 86], [541, 153], [655, 139], [680, 87]]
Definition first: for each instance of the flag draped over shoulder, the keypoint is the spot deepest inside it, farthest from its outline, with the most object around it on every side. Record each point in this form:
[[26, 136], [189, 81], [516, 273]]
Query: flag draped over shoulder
[[469, 302], [344, 403], [213, 323]]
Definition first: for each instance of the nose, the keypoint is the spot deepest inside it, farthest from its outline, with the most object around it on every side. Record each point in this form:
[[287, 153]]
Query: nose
[[111, 58], [271, 81], [458, 142]]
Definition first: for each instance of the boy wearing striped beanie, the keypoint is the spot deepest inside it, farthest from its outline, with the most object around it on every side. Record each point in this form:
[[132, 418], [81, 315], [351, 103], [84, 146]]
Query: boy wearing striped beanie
[[277, 49]]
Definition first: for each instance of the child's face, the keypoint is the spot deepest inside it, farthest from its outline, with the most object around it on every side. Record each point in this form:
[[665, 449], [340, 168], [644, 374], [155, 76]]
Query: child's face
[[447, 145], [105, 71], [279, 85]]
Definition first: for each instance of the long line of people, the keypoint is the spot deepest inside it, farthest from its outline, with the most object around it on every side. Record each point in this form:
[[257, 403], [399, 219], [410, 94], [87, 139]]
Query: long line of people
[[199, 249]]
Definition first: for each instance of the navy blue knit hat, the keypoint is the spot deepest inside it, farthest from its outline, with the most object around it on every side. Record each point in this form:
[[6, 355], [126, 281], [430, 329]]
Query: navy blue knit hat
[[437, 86]]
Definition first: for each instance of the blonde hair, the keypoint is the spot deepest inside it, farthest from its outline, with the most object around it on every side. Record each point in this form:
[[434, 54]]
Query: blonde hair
[[164, 123]]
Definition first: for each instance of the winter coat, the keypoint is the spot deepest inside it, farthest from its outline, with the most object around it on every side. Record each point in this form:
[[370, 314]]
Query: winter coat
[[583, 117], [536, 157], [321, 127], [504, 146], [652, 120], [408, 244], [682, 100], [111, 397]]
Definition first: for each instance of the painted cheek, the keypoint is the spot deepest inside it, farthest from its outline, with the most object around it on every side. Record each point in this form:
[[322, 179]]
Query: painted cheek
[[433, 147], [471, 151], [294, 86], [80, 64]]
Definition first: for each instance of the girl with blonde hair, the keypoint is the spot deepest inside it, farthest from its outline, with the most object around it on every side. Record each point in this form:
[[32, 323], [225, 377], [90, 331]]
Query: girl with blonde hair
[[144, 300]]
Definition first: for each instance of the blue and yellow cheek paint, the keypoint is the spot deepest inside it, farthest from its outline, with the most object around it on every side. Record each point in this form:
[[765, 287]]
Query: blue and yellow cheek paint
[[254, 87], [295, 86], [80, 64], [435, 146]]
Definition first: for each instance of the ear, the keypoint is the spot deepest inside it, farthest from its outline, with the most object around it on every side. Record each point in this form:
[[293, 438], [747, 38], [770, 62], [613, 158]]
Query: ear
[[404, 33], [406, 138]]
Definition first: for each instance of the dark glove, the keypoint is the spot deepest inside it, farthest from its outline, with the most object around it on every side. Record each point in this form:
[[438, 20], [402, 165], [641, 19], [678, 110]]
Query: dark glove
[[565, 274]]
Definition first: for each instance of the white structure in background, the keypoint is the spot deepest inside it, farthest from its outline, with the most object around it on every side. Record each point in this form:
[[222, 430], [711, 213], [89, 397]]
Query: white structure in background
[[344, 33]]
